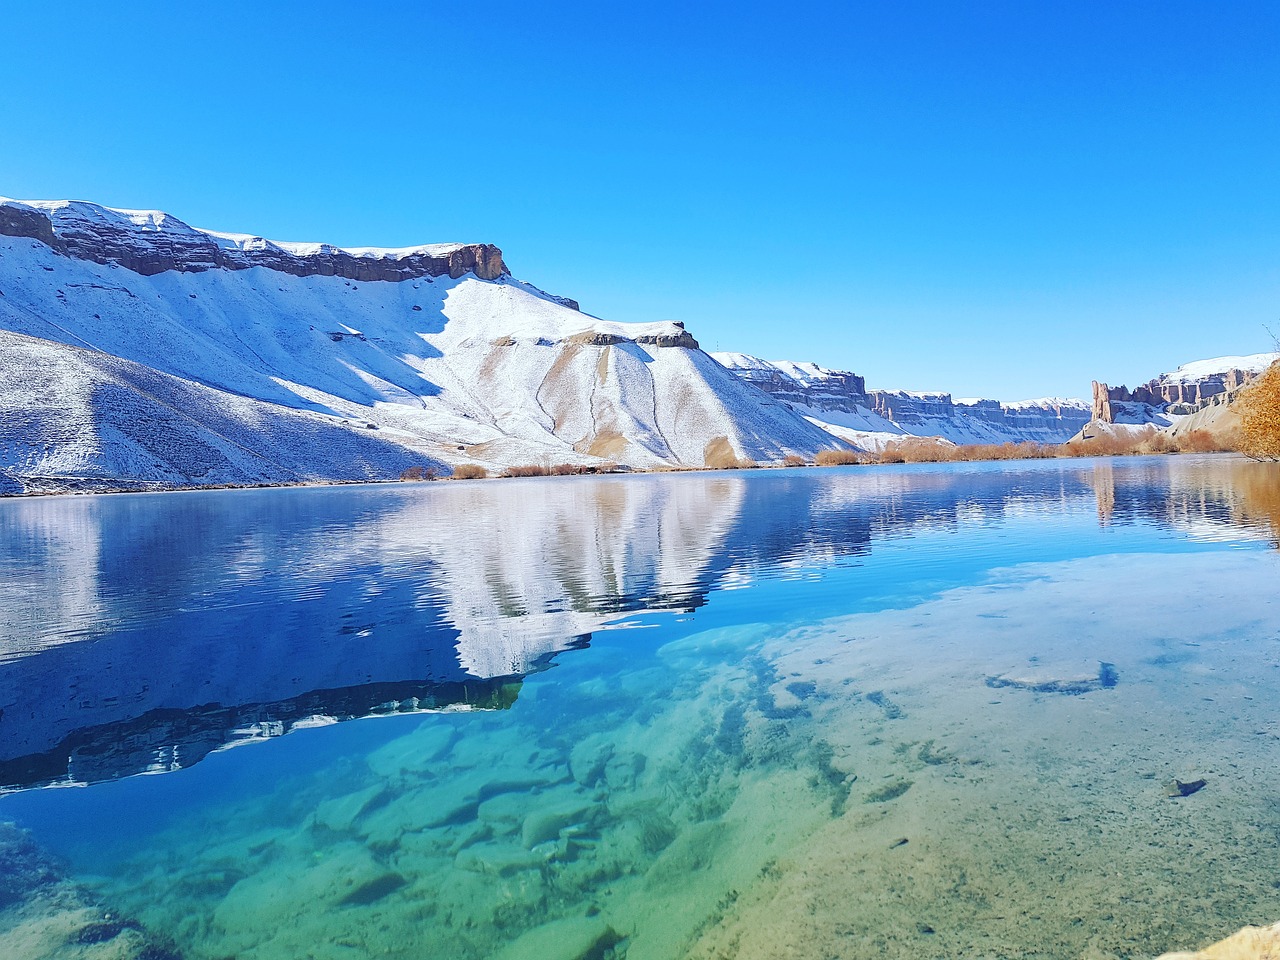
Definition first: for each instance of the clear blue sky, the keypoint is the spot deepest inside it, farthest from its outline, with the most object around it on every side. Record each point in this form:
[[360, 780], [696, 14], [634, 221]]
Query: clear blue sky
[[1004, 199]]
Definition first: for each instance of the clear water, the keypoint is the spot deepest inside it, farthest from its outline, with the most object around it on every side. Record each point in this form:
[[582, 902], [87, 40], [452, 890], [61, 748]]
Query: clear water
[[918, 711]]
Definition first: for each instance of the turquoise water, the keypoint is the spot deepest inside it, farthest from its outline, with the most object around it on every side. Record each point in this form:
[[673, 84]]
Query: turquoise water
[[916, 711]]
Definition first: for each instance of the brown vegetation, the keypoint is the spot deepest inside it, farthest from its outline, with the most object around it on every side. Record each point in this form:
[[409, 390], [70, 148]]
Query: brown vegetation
[[936, 450], [794, 460], [1146, 441], [469, 471], [838, 458], [1259, 407], [418, 473], [561, 469]]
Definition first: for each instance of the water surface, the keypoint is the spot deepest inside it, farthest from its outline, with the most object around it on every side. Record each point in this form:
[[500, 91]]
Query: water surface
[[916, 711]]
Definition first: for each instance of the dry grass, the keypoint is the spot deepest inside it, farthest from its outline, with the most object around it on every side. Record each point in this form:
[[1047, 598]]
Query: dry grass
[[527, 470], [469, 471], [418, 473], [840, 458], [794, 460], [1259, 407]]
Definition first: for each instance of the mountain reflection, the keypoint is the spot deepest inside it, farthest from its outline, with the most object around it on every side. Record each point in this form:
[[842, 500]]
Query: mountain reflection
[[139, 633]]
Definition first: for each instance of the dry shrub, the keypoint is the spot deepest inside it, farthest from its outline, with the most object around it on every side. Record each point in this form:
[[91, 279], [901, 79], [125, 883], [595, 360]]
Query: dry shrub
[[415, 473], [469, 471], [1023, 450], [1157, 442], [1109, 445], [918, 450], [1259, 407], [839, 458], [1202, 441], [526, 470], [794, 460]]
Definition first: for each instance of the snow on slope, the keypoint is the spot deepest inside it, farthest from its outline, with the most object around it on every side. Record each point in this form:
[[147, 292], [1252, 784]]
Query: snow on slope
[[1201, 369], [494, 371], [72, 418]]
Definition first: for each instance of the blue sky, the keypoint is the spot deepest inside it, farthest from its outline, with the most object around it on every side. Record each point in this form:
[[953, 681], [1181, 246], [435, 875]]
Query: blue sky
[[1002, 199]]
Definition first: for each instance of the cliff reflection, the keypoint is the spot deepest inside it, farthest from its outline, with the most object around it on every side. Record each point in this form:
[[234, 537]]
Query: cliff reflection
[[141, 632], [1214, 497]]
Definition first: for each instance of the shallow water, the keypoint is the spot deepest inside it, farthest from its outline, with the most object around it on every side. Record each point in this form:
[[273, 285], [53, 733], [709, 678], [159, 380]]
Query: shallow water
[[918, 711]]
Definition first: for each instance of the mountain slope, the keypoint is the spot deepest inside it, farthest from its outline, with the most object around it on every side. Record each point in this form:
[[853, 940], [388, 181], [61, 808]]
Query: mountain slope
[[439, 345], [72, 418]]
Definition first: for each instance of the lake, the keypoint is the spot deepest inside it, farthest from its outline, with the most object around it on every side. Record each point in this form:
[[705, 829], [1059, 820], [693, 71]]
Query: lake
[[978, 710]]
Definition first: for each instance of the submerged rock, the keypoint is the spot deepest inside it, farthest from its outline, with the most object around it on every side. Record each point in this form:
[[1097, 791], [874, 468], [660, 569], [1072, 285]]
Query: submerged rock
[[1251, 943], [1182, 788], [585, 938], [1106, 678], [44, 914]]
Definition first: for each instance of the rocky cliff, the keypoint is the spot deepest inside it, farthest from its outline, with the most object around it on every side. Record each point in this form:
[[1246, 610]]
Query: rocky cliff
[[150, 242], [1196, 396], [1193, 386]]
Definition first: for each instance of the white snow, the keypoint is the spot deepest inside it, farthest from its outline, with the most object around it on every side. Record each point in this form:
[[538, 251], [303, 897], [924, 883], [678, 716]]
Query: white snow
[[1203, 369], [495, 368]]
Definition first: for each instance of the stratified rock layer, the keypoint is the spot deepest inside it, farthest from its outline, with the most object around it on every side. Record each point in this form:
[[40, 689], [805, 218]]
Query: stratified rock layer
[[151, 242]]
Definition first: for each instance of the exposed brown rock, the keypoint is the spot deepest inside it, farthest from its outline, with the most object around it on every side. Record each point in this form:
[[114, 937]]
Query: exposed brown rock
[[1102, 403], [682, 339], [599, 338], [25, 222]]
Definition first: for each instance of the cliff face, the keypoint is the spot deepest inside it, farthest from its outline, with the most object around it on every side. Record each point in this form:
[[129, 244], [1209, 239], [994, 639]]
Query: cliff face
[[839, 401], [151, 242], [803, 384], [1190, 388], [907, 408]]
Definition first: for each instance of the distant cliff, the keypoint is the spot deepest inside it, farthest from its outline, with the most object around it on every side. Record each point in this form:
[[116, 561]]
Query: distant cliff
[[1192, 388], [838, 401]]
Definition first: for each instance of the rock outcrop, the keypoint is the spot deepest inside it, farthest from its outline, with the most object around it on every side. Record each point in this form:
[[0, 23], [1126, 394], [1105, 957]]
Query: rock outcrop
[[800, 384], [151, 242], [1101, 409]]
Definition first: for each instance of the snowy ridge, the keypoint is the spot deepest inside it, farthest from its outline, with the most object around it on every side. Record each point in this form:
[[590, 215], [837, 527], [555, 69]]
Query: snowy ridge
[[65, 214]]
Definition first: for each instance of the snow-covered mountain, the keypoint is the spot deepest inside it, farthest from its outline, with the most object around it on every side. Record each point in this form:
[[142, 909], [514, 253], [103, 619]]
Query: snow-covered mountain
[[838, 402], [421, 355]]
